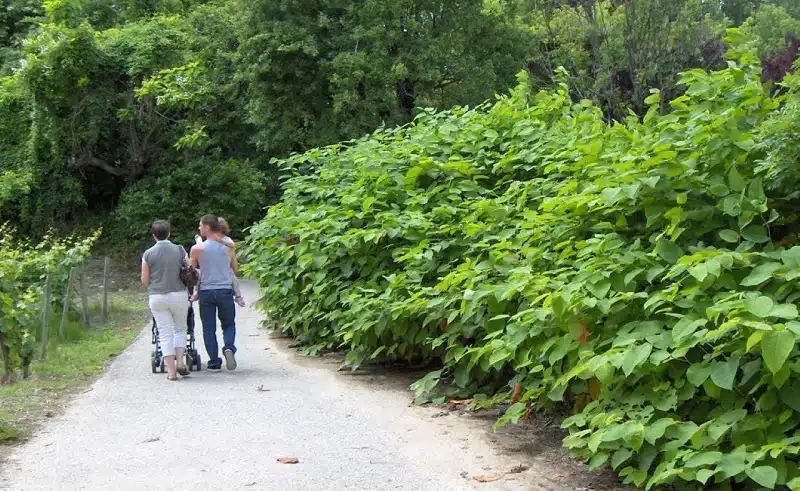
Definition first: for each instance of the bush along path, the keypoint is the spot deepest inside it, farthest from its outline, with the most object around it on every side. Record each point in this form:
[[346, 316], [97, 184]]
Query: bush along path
[[641, 273]]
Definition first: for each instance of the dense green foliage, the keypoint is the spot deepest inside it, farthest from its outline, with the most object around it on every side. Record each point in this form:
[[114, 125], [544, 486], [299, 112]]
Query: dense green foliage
[[584, 241], [629, 269], [102, 99], [94, 112], [23, 269], [104, 103], [616, 51], [178, 192], [323, 71]]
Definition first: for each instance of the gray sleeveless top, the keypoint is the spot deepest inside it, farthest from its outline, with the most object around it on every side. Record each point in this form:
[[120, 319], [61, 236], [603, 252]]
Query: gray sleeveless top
[[165, 260], [215, 267]]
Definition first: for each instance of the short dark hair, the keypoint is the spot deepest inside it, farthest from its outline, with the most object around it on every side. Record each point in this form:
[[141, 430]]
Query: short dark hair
[[160, 229], [211, 221]]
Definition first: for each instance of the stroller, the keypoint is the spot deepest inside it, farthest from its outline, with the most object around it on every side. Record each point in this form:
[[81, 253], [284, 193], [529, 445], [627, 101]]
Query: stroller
[[193, 362]]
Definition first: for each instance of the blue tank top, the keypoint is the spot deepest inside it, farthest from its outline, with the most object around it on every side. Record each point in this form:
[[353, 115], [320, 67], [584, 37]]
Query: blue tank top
[[215, 267]]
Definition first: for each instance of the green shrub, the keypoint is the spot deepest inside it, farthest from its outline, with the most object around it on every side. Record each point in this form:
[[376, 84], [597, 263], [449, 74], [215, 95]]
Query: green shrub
[[23, 269], [625, 269], [233, 189]]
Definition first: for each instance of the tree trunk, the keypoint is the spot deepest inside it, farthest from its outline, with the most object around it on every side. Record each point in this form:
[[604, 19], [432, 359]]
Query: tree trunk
[[633, 59], [6, 360], [406, 97], [594, 36]]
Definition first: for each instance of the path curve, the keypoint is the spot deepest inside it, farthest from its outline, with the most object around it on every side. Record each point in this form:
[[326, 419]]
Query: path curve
[[134, 430]]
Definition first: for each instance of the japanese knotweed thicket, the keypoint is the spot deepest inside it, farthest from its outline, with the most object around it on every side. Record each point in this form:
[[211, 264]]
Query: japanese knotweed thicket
[[23, 270], [631, 270]]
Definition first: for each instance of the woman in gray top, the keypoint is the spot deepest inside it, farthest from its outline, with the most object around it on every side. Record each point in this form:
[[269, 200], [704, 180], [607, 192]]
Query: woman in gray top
[[169, 297]]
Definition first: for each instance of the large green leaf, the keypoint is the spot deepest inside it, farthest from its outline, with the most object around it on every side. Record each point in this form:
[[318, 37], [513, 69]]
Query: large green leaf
[[635, 357], [755, 233], [634, 436], [724, 372], [733, 464], [698, 373], [729, 235], [736, 180], [620, 456], [790, 395], [784, 311], [704, 458], [764, 475], [668, 251], [598, 460], [686, 327], [703, 475], [760, 274], [499, 356], [775, 348], [760, 306]]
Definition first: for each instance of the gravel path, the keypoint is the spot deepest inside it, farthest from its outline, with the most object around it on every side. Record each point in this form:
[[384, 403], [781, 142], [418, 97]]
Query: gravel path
[[135, 430]]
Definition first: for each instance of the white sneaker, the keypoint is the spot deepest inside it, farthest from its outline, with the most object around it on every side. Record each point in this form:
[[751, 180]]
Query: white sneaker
[[230, 360]]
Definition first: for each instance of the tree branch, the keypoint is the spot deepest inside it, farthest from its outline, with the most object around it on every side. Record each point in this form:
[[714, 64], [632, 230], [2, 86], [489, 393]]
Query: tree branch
[[87, 160]]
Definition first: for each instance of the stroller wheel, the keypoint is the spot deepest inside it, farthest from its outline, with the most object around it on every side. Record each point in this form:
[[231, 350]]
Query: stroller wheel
[[153, 363], [190, 361], [198, 364]]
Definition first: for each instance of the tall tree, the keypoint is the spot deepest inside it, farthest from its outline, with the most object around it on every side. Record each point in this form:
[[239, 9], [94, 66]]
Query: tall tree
[[323, 70], [617, 50]]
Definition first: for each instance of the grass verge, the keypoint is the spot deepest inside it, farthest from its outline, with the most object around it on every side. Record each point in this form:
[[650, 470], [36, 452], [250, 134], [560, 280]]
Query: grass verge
[[71, 365]]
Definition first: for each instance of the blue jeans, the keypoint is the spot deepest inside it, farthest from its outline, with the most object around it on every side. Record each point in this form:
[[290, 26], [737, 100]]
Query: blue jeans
[[213, 303]]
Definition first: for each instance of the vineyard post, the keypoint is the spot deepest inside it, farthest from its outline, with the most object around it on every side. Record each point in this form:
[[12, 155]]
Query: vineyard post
[[65, 308], [84, 298], [6, 352], [105, 289], [45, 317]]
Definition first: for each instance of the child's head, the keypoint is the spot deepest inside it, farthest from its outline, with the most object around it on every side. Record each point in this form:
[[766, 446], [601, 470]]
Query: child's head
[[224, 228]]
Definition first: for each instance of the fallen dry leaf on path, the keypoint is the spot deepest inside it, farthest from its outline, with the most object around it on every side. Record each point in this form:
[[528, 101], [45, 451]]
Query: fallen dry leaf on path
[[262, 389], [519, 468], [151, 440], [486, 478], [460, 402], [288, 460]]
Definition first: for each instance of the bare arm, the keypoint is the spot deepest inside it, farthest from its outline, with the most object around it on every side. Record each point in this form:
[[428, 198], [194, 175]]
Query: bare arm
[[145, 277], [234, 262], [194, 255], [227, 242]]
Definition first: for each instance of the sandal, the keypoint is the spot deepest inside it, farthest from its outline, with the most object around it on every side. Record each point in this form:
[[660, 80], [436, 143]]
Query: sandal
[[183, 371], [172, 379]]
